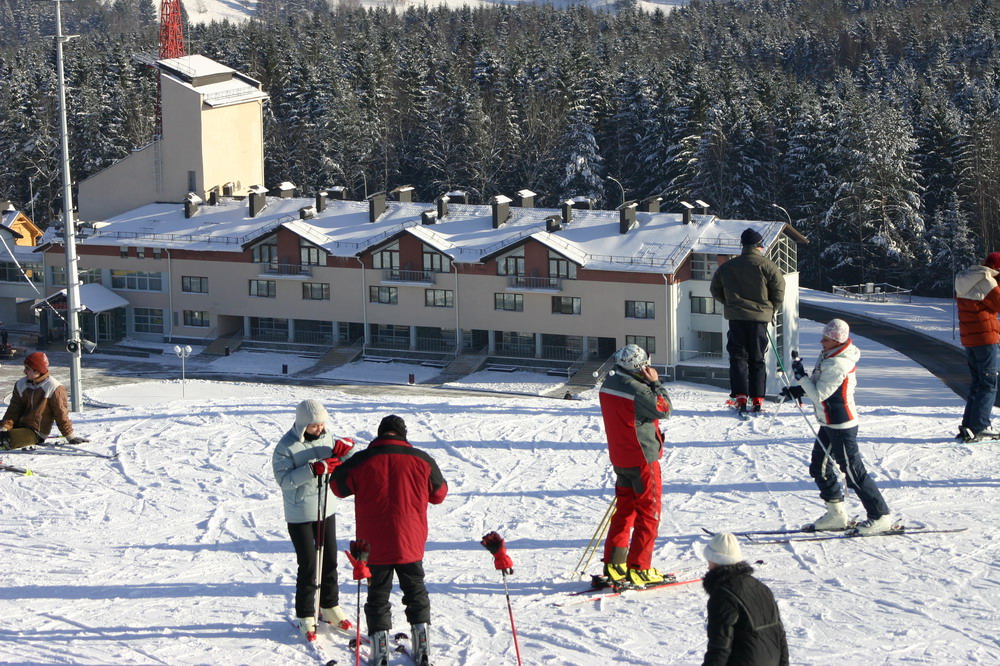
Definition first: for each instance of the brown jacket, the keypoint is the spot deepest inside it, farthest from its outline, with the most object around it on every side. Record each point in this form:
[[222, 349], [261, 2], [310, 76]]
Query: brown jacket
[[36, 405]]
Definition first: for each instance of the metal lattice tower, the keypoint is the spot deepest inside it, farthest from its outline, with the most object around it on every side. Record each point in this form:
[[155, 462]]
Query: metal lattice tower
[[171, 33]]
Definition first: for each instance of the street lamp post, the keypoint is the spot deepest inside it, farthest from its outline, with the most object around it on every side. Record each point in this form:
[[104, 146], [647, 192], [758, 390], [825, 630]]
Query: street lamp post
[[182, 353], [619, 185], [785, 212]]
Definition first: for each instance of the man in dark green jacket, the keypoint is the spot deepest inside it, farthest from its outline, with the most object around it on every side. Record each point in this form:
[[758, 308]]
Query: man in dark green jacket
[[751, 287]]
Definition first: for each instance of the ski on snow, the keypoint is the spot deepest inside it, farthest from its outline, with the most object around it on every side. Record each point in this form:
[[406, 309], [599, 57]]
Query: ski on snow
[[805, 529], [402, 641], [897, 530], [320, 646], [19, 470], [599, 591], [61, 450]]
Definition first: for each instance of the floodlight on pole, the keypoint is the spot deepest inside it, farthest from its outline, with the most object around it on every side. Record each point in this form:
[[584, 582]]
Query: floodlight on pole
[[182, 353], [69, 229], [619, 185], [785, 212]]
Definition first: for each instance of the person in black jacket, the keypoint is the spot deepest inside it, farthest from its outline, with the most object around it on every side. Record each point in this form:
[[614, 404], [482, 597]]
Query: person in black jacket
[[744, 625]]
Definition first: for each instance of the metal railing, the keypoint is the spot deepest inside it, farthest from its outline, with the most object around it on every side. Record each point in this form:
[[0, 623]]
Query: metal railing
[[876, 292], [528, 282], [397, 275], [286, 270], [685, 355], [560, 353], [314, 338], [388, 342], [514, 350]]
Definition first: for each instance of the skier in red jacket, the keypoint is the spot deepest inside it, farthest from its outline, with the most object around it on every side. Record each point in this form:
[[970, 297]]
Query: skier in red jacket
[[393, 483], [632, 402]]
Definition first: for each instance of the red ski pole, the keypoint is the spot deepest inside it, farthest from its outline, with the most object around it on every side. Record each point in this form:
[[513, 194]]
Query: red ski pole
[[494, 543]]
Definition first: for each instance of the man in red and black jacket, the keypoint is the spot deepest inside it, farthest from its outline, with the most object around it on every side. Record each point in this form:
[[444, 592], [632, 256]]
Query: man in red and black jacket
[[393, 483], [632, 402]]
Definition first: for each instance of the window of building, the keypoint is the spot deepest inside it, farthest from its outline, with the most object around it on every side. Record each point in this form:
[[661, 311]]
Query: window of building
[[387, 257], [147, 320], [509, 302], [705, 305], [309, 254], [194, 285], [640, 310], [784, 253], [316, 291], [265, 252], [264, 288], [140, 252], [137, 280], [566, 305], [157, 253], [123, 252], [561, 267], [439, 298], [511, 263], [192, 181], [703, 266], [647, 342], [435, 262], [196, 318], [57, 274], [91, 276], [9, 272], [387, 295]]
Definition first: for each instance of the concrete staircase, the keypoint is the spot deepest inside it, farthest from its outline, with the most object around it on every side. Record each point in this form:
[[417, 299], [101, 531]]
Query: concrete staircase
[[338, 356], [218, 346]]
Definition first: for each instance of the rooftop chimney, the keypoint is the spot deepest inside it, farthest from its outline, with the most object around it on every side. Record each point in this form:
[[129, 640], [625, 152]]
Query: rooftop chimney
[[191, 202], [459, 196], [403, 193], [524, 199], [338, 192], [651, 205], [428, 217], [307, 212], [229, 189], [501, 210], [567, 211], [583, 203], [258, 199], [321, 201], [626, 217], [687, 211], [376, 206], [286, 190], [213, 196], [553, 223], [442, 205], [704, 206]]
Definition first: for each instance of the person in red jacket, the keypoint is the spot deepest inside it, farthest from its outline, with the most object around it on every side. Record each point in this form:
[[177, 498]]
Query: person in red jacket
[[978, 299], [632, 402], [393, 483]]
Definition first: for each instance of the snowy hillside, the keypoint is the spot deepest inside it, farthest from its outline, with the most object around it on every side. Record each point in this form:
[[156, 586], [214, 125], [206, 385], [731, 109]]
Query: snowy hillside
[[176, 552], [206, 11]]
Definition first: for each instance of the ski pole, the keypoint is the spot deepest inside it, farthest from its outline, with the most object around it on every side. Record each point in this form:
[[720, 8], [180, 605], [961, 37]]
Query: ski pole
[[774, 415], [357, 555], [320, 538], [602, 528], [494, 543]]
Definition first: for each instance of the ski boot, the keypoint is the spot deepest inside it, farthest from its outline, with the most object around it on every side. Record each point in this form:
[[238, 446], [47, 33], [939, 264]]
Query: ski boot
[[419, 644], [307, 627], [874, 526], [378, 651], [335, 616], [835, 517]]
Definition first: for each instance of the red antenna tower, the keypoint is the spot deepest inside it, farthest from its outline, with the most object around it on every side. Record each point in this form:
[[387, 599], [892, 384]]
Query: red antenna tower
[[171, 34]]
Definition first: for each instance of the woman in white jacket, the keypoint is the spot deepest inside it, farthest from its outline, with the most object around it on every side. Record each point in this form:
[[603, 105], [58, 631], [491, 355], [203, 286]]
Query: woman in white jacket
[[831, 389]]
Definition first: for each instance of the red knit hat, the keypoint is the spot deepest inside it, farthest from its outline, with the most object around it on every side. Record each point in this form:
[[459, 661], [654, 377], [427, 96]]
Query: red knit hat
[[38, 362], [992, 261]]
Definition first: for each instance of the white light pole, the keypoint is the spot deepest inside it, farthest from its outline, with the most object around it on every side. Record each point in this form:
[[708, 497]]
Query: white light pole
[[69, 234], [785, 212], [619, 185], [182, 353]]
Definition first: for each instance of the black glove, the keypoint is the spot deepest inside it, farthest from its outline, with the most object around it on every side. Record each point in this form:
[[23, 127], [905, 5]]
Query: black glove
[[77, 440], [797, 368], [793, 392]]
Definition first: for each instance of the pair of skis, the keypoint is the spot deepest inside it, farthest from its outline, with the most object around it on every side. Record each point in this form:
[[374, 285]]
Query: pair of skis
[[600, 589], [61, 449], [764, 537]]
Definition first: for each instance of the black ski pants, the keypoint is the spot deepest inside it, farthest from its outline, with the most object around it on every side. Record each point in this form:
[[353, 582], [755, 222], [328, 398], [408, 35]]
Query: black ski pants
[[378, 611], [842, 443], [304, 539], [747, 344]]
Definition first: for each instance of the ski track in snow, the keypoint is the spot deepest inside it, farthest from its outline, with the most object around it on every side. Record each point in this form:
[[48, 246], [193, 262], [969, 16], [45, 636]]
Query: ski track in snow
[[177, 551]]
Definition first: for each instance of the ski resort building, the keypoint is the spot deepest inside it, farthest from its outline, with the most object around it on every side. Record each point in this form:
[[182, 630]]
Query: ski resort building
[[215, 258]]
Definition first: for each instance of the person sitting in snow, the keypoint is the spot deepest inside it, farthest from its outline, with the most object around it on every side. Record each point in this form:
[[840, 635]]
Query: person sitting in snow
[[302, 461], [37, 401], [831, 389], [632, 402], [744, 624], [393, 483]]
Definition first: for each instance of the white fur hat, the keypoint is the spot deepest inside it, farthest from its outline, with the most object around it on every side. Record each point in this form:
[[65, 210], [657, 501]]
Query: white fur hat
[[837, 330], [723, 549]]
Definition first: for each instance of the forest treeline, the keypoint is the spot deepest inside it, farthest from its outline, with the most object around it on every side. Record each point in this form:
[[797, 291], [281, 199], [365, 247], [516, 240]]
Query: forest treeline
[[874, 123]]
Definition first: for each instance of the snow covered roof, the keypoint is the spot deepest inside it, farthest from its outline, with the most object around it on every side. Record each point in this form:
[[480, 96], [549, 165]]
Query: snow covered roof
[[93, 297], [218, 84], [657, 242]]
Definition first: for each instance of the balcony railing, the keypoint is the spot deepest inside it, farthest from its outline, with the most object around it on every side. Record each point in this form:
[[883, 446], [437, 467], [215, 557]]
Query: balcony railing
[[560, 353], [389, 342], [397, 275], [286, 270], [536, 283], [516, 350], [314, 338]]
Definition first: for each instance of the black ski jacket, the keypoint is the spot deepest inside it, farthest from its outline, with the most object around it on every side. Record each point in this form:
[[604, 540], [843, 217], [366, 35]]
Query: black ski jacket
[[744, 626]]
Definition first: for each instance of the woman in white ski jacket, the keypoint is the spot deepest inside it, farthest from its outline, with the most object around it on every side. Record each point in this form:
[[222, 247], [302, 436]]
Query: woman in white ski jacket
[[830, 386], [302, 461]]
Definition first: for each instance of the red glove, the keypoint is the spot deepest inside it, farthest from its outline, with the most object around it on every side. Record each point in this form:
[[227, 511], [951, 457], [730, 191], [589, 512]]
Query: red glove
[[358, 557], [321, 467], [342, 446], [493, 542]]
